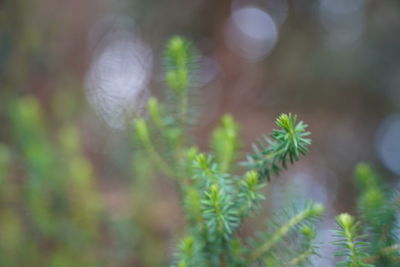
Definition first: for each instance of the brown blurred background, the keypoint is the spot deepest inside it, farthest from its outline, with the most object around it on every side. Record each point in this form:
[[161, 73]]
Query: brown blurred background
[[335, 63]]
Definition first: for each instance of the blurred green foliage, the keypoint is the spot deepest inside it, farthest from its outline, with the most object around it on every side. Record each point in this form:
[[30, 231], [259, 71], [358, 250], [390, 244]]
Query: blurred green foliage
[[51, 210]]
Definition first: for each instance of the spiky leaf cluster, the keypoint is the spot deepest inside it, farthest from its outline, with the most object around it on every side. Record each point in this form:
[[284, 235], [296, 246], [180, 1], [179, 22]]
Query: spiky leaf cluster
[[284, 145], [180, 61], [219, 213], [350, 243], [189, 253]]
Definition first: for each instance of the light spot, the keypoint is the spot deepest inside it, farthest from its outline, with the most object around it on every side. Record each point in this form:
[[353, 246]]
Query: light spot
[[117, 80], [387, 143], [342, 19], [251, 33]]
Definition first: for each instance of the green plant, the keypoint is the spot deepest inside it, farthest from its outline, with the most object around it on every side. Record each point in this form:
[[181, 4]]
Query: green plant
[[352, 247], [373, 240], [216, 201], [52, 200], [52, 214]]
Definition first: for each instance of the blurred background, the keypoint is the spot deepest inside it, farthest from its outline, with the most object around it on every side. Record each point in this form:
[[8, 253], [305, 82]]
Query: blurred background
[[73, 74]]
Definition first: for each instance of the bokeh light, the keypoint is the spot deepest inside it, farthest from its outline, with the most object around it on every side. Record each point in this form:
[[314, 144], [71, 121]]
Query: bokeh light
[[342, 19], [118, 76], [251, 33], [388, 143]]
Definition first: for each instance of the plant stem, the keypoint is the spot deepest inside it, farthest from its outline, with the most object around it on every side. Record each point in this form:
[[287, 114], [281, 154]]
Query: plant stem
[[151, 150], [280, 233], [301, 258]]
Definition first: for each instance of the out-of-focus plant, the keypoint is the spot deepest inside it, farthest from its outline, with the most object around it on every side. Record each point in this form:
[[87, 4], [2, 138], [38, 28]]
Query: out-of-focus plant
[[51, 212], [373, 240]]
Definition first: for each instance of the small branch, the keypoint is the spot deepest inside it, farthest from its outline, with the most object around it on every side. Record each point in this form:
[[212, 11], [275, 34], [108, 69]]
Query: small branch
[[151, 150], [301, 258], [314, 210]]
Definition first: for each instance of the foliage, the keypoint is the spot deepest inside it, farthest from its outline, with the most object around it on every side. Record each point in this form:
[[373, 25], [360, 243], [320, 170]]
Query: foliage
[[55, 202], [349, 241], [216, 200], [52, 213], [373, 240]]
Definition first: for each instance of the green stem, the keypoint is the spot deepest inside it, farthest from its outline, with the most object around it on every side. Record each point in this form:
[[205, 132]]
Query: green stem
[[183, 107], [312, 211], [151, 150], [271, 156], [351, 246], [227, 159], [301, 258]]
